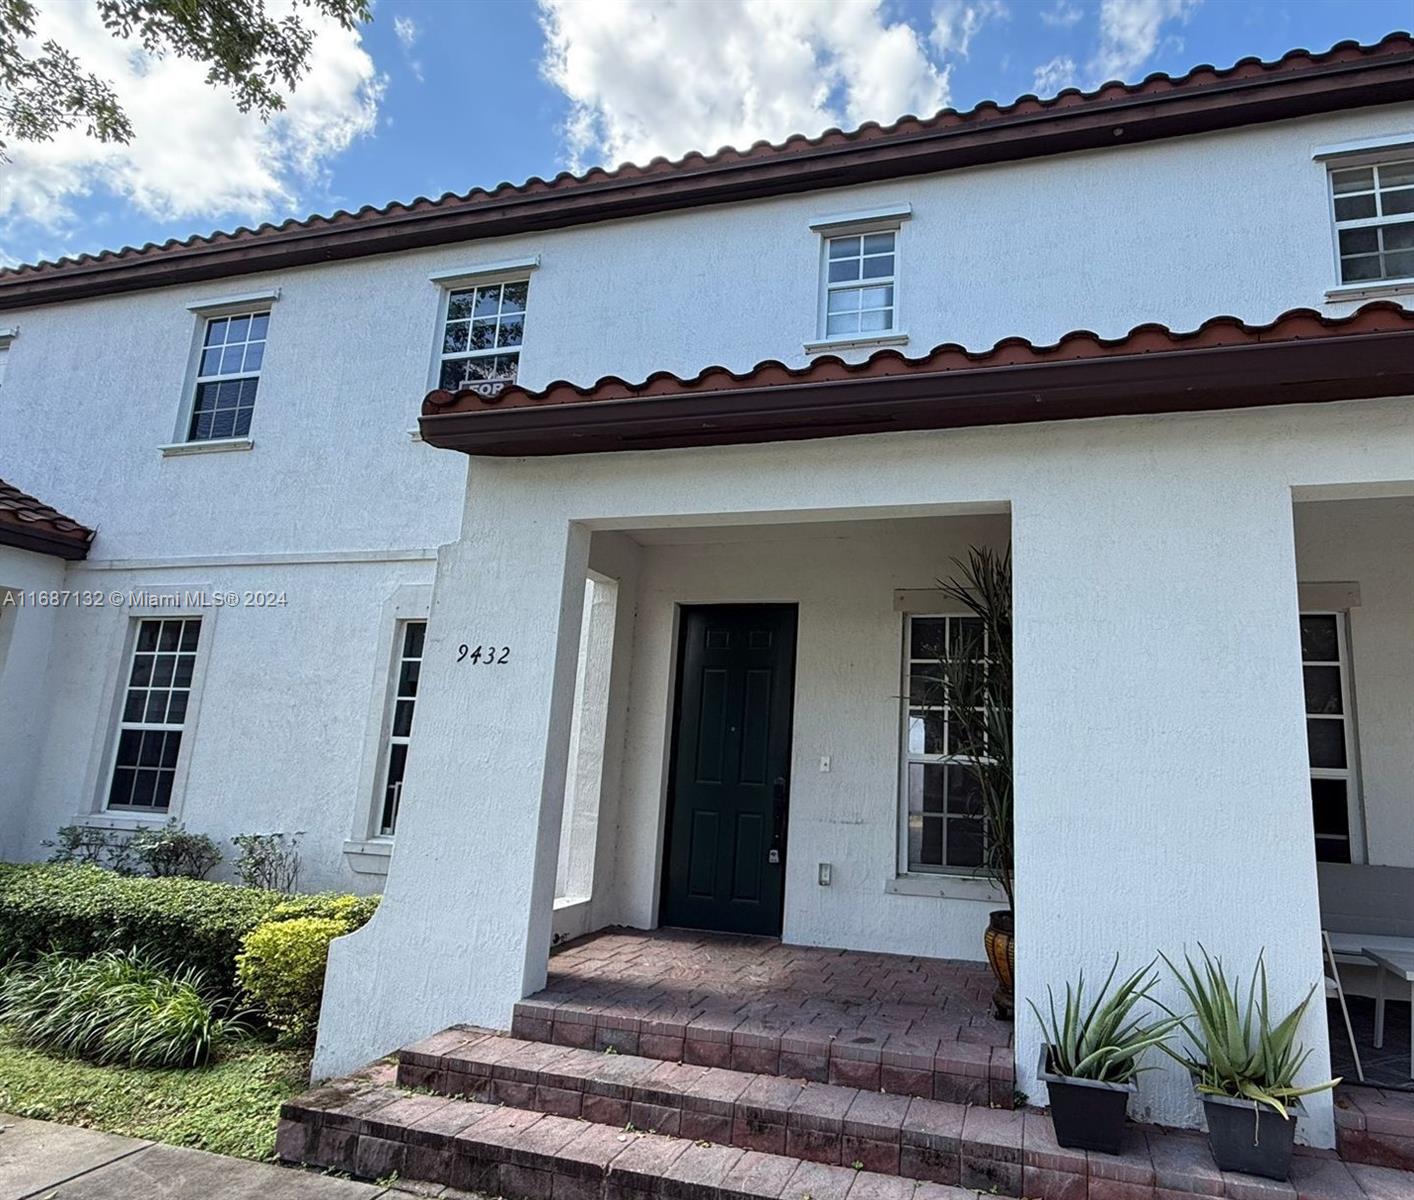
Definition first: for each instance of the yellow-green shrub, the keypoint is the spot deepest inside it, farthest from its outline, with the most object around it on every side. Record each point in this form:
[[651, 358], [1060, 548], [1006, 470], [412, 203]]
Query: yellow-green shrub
[[281, 968]]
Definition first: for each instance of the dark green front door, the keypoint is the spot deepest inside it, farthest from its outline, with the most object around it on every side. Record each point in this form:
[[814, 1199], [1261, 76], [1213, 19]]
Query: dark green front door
[[726, 845]]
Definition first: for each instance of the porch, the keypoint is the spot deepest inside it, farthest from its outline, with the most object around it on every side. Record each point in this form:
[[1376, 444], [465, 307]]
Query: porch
[[906, 1025]]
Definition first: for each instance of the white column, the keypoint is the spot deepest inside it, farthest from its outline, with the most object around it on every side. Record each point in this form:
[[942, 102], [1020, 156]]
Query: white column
[[1162, 791], [463, 931]]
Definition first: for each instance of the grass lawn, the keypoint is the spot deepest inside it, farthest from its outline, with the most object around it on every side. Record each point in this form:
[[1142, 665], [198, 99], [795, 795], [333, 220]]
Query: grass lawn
[[229, 1108]]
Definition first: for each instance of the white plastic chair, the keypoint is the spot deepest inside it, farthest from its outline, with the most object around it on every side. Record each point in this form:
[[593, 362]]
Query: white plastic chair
[[1334, 991]]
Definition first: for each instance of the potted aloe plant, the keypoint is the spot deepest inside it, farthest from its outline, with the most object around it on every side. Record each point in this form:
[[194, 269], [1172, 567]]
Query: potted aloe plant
[[1090, 1057], [1244, 1067]]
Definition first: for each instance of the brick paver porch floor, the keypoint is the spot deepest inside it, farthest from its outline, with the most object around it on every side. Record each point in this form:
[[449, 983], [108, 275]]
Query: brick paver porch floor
[[756, 1004]]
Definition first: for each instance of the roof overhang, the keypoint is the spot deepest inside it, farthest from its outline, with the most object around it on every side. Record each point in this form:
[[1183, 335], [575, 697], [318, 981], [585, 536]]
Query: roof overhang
[[40, 542], [1205, 100], [1301, 358]]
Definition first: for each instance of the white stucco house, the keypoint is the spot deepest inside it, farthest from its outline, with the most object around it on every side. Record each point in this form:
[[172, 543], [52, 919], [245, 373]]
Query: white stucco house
[[483, 483]]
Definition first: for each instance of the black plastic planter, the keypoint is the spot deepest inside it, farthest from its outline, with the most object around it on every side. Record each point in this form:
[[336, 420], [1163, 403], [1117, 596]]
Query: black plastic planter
[[1250, 1137], [1086, 1114]]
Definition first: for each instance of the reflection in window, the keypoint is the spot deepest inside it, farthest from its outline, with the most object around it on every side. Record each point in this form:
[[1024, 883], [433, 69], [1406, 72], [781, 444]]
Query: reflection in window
[[227, 376], [403, 700], [482, 337], [1329, 735]]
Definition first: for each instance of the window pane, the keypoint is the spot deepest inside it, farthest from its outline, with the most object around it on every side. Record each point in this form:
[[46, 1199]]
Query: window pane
[[876, 297], [844, 270], [876, 321], [1319, 642], [210, 362], [844, 247], [1397, 174], [1359, 241], [483, 334], [488, 301], [964, 791], [254, 356], [878, 243], [842, 323], [1353, 208], [513, 297], [1322, 689], [926, 637], [455, 338], [258, 325], [843, 300], [459, 305], [964, 843], [1361, 178], [925, 787], [121, 792], [1398, 237], [135, 705], [925, 683], [1394, 203], [510, 331], [413, 639], [879, 268], [216, 332], [237, 330], [1399, 266], [1326, 741], [1354, 270], [407, 678], [402, 718], [925, 731]]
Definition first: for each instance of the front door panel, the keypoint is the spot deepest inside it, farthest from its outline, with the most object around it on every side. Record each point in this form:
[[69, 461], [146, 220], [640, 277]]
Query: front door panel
[[727, 807]]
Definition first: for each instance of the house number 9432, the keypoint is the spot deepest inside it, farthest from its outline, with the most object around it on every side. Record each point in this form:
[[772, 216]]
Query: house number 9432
[[492, 656]]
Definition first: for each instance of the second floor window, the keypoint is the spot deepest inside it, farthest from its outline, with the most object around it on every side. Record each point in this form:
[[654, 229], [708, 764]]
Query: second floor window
[[1374, 221], [859, 284], [482, 337], [227, 375]]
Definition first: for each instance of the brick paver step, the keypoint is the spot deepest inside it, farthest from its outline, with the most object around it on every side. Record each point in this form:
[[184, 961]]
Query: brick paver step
[[826, 1123], [370, 1129]]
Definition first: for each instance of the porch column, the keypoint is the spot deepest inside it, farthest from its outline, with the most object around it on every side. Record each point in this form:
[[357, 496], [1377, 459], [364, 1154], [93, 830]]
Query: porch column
[[463, 931], [1162, 790]]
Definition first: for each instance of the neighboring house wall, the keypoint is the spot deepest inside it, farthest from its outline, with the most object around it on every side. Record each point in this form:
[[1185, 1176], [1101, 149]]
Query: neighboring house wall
[[27, 629]]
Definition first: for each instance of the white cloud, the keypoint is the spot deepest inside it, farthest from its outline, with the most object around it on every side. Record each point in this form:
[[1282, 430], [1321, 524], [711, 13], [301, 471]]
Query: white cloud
[[1129, 34], [193, 153], [407, 31], [1062, 15], [1054, 75], [956, 23], [651, 77]]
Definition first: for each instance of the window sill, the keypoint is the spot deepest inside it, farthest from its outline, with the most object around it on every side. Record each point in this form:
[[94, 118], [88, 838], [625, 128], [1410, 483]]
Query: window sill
[[210, 446], [856, 343], [369, 857], [1366, 291], [121, 822], [947, 887]]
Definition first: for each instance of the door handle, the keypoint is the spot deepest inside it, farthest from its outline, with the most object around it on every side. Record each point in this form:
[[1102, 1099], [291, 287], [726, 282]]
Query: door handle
[[778, 821]]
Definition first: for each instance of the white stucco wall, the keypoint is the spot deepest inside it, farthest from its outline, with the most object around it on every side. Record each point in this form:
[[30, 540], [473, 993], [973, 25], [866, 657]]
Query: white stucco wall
[[1174, 231], [847, 708], [26, 635], [1162, 792], [281, 733]]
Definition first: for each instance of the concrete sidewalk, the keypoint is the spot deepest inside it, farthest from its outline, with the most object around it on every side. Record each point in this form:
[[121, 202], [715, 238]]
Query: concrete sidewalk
[[46, 1161]]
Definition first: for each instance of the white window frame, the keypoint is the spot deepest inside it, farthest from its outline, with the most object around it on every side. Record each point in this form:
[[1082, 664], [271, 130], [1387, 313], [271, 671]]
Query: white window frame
[[366, 850], [203, 311], [889, 219], [459, 279], [104, 760], [1350, 774], [1357, 288], [390, 738], [907, 757]]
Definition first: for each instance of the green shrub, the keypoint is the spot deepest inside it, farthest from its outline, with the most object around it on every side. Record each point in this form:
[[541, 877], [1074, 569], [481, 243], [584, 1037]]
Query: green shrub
[[81, 910], [353, 911], [171, 850], [281, 968], [116, 1007]]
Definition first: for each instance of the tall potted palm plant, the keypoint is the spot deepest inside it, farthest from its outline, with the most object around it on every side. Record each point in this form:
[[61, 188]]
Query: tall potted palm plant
[[976, 689]]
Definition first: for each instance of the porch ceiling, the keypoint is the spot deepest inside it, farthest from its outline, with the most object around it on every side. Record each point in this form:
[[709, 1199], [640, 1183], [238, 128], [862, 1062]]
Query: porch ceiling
[[1301, 357]]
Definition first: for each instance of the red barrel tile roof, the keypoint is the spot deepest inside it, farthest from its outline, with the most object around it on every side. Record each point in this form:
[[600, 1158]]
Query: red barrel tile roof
[[32, 525]]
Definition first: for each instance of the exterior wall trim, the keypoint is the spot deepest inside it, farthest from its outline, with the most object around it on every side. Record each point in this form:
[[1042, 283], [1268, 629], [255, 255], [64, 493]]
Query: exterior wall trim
[[292, 558]]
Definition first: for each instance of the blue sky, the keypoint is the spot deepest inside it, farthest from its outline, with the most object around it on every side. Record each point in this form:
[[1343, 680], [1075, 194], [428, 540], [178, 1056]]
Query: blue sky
[[437, 96]]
